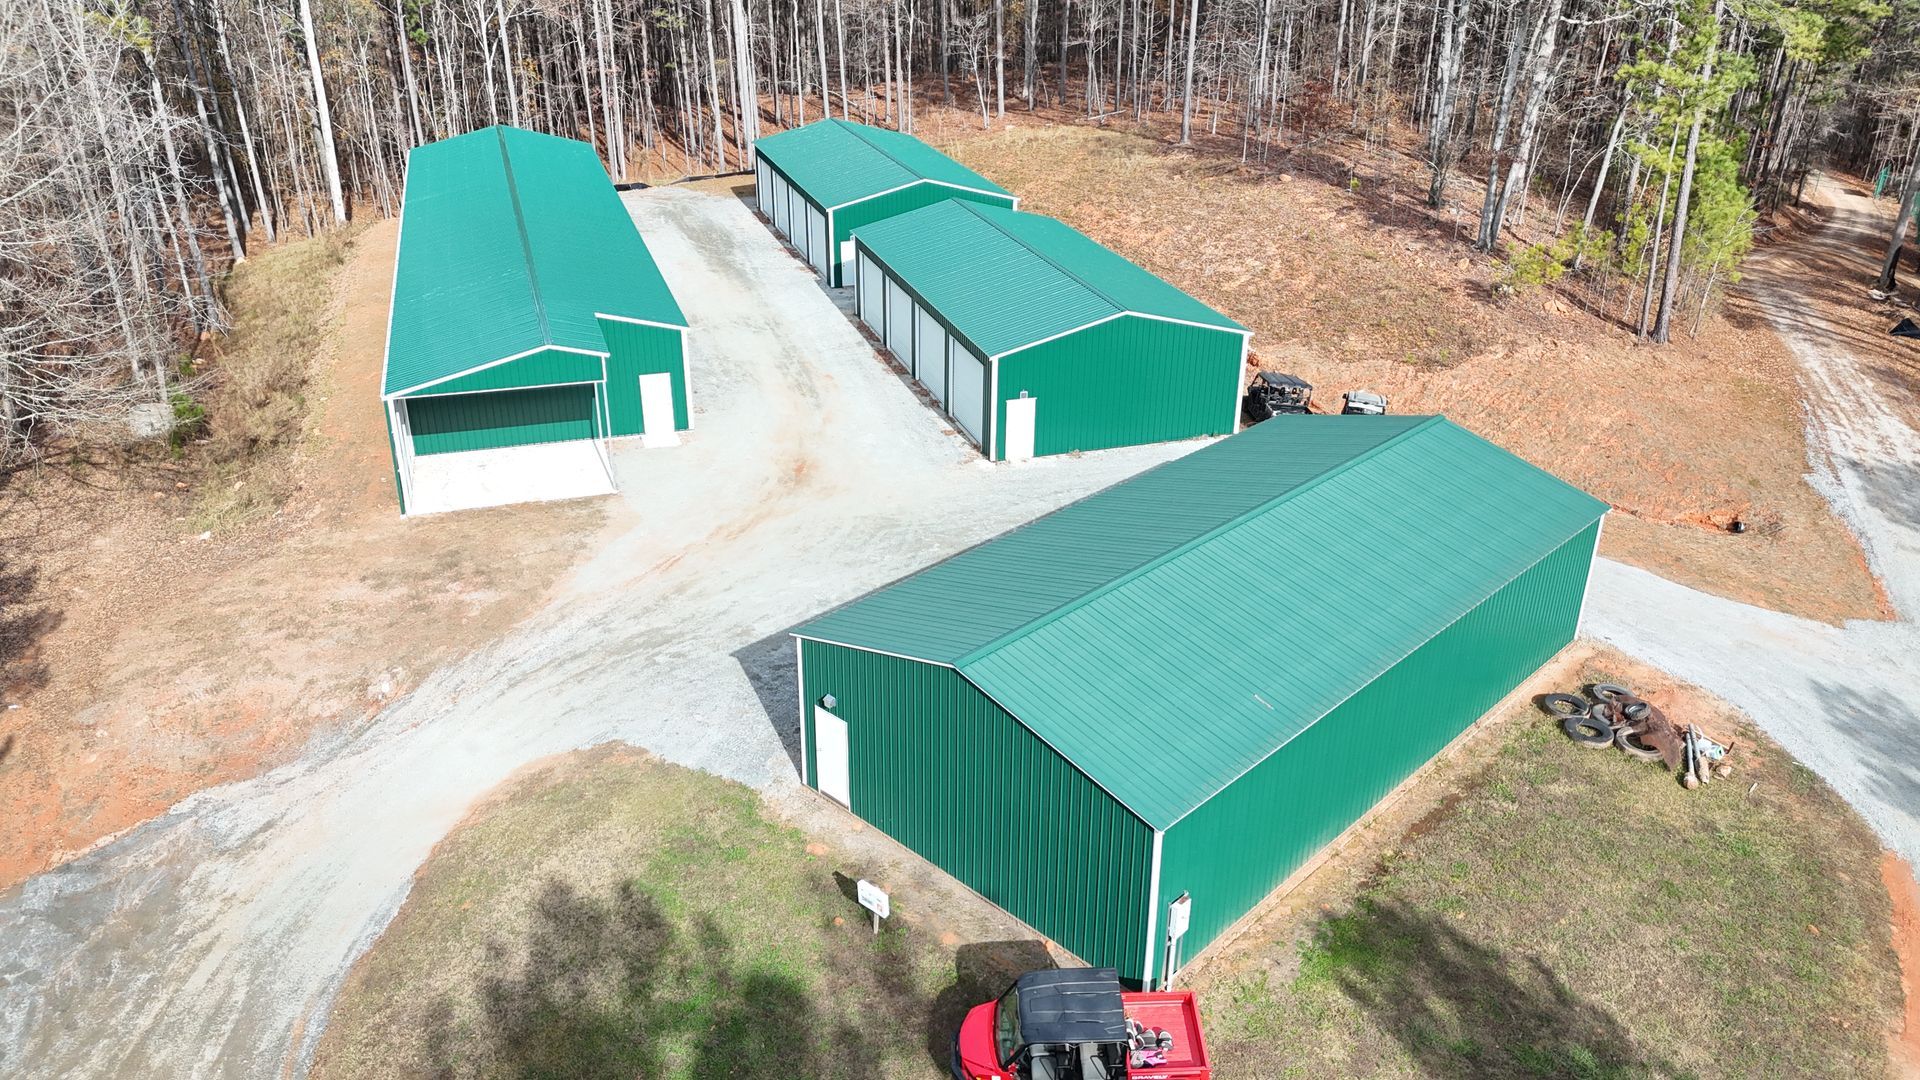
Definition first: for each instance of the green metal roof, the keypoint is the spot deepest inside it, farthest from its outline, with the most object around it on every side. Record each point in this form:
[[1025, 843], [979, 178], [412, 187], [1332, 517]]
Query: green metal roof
[[1006, 279], [837, 162], [511, 241], [1219, 605]]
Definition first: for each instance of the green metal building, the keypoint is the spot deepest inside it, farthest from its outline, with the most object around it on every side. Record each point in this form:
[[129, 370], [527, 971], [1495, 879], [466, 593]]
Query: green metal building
[[1037, 340], [1191, 682], [819, 183], [526, 312]]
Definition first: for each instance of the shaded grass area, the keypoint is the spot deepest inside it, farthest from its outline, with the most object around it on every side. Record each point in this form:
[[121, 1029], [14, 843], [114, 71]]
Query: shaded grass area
[[1576, 913], [255, 398], [615, 916]]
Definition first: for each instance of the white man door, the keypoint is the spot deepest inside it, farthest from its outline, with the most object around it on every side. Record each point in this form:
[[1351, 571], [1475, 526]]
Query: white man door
[[1022, 415], [832, 774], [656, 410]]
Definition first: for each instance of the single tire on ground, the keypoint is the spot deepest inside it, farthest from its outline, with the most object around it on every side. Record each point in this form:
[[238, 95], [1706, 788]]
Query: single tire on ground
[[1628, 740], [1564, 705], [1610, 692], [1589, 731]]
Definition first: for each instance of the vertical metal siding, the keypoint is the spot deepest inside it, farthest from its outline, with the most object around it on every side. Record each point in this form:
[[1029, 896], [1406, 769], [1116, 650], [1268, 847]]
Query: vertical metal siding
[[848, 218], [938, 766], [635, 350], [1124, 382], [1240, 845], [446, 425]]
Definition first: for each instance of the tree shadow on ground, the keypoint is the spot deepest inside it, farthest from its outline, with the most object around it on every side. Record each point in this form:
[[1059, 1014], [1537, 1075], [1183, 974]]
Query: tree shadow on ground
[[982, 971], [619, 986], [24, 621], [1885, 734], [1461, 1008]]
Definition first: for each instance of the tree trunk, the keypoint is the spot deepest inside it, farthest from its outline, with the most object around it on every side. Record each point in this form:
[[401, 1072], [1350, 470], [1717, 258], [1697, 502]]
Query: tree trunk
[[1543, 68], [506, 64], [1663, 324], [1451, 52], [1000, 57], [329, 155], [749, 122], [1890, 266], [1509, 81], [1193, 46], [1600, 182]]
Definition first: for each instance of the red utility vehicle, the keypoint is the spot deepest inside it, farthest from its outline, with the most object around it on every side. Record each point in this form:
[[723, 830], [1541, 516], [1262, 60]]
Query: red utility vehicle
[[1079, 1025]]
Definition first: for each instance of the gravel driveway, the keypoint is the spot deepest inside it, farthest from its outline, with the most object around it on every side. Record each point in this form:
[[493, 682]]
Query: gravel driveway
[[1846, 701], [211, 941]]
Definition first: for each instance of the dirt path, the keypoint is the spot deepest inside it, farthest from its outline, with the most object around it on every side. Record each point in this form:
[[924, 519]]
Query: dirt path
[[211, 941], [1844, 700]]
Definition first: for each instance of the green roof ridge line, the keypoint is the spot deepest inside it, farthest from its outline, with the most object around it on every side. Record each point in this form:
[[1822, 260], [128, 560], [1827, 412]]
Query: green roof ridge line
[[1116, 305], [919, 175], [1078, 602], [520, 226]]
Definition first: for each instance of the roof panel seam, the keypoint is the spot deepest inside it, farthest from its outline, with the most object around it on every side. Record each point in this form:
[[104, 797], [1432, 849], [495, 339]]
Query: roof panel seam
[[1044, 257], [1376, 676], [1162, 559]]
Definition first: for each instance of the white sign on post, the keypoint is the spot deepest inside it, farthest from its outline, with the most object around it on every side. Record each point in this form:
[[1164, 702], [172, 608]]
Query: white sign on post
[[874, 899]]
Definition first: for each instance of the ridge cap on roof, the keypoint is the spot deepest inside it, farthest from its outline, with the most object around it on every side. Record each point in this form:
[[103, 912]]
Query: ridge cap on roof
[[859, 131], [1116, 305], [1024, 629], [520, 226]]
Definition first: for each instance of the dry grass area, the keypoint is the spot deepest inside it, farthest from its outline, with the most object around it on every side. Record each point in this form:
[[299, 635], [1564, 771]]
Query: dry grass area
[[1353, 284], [1540, 909], [611, 915], [204, 616]]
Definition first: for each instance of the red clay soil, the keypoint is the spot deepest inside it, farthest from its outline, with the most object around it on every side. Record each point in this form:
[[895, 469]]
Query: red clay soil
[[180, 662], [1350, 282], [1905, 1044]]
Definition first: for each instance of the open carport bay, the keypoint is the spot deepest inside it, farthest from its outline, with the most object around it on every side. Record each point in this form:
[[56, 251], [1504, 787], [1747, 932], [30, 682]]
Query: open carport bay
[[472, 479]]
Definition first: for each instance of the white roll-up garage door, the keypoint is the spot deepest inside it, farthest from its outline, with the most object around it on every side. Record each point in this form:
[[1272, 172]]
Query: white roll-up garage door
[[797, 221], [930, 347], [760, 187], [873, 296], [900, 323], [817, 241], [969, 405]]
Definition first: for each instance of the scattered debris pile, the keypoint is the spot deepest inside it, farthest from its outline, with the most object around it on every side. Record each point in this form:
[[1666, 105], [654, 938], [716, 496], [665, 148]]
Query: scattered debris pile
[[1612, 715]]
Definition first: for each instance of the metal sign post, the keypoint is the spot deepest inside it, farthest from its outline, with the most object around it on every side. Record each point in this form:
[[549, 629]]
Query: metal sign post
[[874, 899]]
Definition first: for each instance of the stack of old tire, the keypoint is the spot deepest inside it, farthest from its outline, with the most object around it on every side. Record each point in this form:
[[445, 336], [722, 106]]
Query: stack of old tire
[[1612, 715]]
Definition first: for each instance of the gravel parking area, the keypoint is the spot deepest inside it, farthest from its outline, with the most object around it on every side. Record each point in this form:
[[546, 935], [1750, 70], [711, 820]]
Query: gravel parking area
[[211, 941]]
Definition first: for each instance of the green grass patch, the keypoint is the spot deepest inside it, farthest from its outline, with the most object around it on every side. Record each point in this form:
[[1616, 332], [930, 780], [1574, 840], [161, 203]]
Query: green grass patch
[[621, 917], [1579, 914]]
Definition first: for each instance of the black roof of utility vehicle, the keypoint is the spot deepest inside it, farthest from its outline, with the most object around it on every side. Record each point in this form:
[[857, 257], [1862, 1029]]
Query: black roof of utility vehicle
[[1075, 1005], [1279, 378]]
